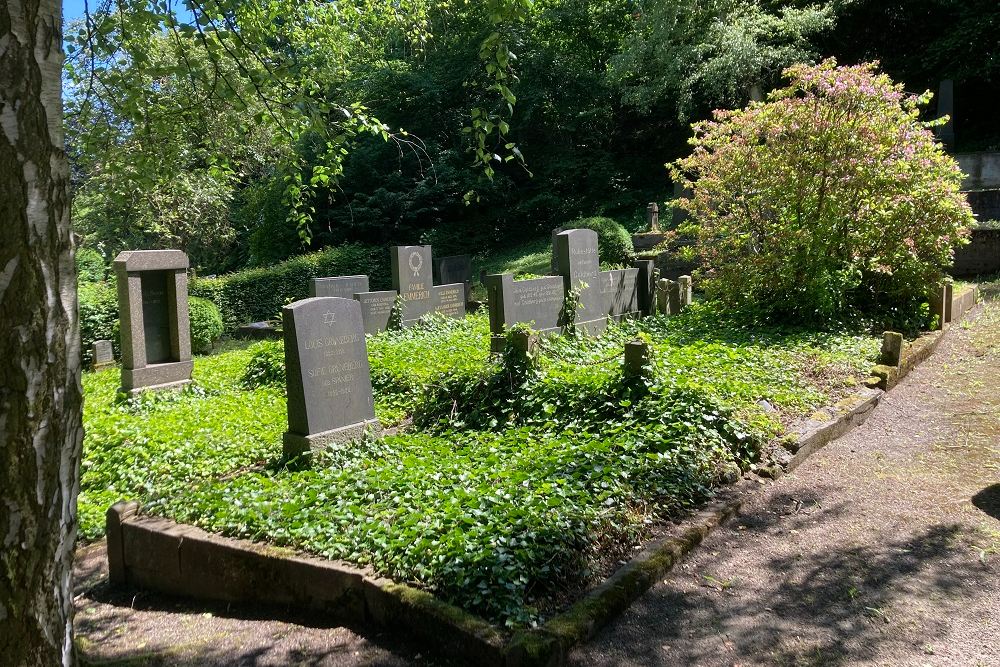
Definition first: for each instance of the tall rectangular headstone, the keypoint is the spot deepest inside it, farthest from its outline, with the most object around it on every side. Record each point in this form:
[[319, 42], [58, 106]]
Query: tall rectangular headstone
[[413, 278], [327, 374], [153, 312], [344, 287], [646, 285], [579, 266], [376, 309]]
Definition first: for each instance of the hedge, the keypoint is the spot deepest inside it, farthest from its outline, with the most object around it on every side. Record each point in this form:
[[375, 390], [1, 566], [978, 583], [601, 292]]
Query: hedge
[[614, 243], [259, 294]]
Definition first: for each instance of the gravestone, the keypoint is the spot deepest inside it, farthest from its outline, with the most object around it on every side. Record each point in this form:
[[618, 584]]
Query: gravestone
[[454, 269], [646, 285], [537, 302], [686, 291], [449, 300], [344, 287], [579, 266], [376, 309], [153, 311], [102, 355], [412, 277], [653, 216], [619, 292], [946, 107], [328, 377]]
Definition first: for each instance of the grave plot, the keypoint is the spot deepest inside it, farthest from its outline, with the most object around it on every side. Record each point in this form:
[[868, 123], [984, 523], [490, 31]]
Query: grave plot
[[512, 487]]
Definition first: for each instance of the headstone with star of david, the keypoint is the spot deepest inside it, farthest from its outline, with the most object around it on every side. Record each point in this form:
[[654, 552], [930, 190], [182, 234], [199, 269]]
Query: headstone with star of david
[[327, 374], [413, 278]]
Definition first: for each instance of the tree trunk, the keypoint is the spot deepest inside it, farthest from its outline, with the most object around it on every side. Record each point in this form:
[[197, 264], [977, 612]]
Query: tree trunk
[[40, 394]]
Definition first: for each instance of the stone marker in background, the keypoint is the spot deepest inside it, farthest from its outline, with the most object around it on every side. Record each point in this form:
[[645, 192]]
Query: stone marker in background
[[344, 287], [946, 107], [638, 355], [579, 266], [892, 348], [653, 216], [949, 298], [663, 296], [686, 291], [102, 355], [449, 300], [413, 278], [153, 311], [646, 286], [376, 309], [327, 374], [937, 300], [673, 297], [454, 269]]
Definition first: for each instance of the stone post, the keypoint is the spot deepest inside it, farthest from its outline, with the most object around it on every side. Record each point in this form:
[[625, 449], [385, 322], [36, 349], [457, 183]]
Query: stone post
[[653, 216], [638, 355], [674, 298], [687, 294], [662, 296], [949, 297], [937, 300], [892, 349]]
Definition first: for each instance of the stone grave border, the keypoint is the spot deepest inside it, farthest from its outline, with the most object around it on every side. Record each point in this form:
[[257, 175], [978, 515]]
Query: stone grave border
[[161, 555]]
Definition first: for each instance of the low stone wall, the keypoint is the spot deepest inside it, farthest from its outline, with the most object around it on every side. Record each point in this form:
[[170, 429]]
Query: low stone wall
[[985, 204], [981, 256], [982, 170]]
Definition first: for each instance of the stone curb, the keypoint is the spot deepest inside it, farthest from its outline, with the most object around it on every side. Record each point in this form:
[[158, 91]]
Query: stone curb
[[158, 554]]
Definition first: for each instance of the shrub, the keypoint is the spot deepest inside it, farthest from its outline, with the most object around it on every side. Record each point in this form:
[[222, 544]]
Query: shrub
[[98, 315], [90, 267], [614, 243], [206, 324], [830, 197], [266, 366], [257, 294]]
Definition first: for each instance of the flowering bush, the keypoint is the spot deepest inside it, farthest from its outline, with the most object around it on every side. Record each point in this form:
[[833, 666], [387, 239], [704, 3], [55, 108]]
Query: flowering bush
[[829, 198]]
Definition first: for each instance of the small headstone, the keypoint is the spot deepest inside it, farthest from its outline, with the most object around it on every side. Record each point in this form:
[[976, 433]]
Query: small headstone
[[653, 216], [449, 300], [892, 348], [686, 291], [327, 373], [413, 278], [344, 287], [102, 355], [376, 309], [673, 297], [153, 311], [663, 296]]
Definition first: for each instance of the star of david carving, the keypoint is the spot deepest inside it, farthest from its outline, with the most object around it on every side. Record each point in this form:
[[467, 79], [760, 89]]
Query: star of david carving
[[329, 318]]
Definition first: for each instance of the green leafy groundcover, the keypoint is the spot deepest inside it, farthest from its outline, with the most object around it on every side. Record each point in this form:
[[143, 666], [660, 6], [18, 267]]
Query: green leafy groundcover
[[515, 482]]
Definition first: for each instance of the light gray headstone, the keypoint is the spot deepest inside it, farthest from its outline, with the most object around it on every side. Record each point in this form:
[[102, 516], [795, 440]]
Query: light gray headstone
[[579, 266], [344, 287], [102, 355], [153, 311], [376, 309], [449, 300], [327, 373]]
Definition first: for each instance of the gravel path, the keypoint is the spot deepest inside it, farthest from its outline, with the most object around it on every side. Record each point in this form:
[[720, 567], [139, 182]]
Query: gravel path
[[883, 549]]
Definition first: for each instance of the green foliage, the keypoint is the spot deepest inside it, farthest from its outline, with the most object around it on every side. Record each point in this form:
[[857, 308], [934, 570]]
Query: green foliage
[[519, 480], [266, 367], [253, 295], [614, 243], [90, 265], [98, 308], [829, 198], [206, 324]]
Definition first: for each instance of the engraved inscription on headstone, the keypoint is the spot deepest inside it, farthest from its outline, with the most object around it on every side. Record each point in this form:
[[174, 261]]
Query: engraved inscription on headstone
[[538, 302], [102, 354], [153, 311], [619, 293], [328, 376], [576, 250], [156, 316], [449, 300], [412, 277], [344, 287], [376, 309]]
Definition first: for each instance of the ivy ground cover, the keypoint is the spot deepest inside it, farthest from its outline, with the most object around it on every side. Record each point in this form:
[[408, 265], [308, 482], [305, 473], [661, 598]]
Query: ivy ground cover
[[509, 483]]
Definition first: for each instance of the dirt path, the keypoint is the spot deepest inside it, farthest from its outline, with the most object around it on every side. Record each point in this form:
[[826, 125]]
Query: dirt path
[[883, 549]]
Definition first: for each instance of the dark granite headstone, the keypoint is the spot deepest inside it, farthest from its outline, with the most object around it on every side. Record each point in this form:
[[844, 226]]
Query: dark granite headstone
[[579, 266], [619, 292], [646, 285], [327, 373], [376, 309], [413, 278], [153, 311], [102, 355], [344, 287], [454, 269], [537, 302], [449, 300]]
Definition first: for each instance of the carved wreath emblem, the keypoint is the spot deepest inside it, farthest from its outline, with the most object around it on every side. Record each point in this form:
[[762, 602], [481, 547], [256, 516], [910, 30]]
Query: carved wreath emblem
[[415, 263]]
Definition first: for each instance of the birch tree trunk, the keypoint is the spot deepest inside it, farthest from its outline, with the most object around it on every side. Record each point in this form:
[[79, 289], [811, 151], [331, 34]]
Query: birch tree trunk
[[40, 395]]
